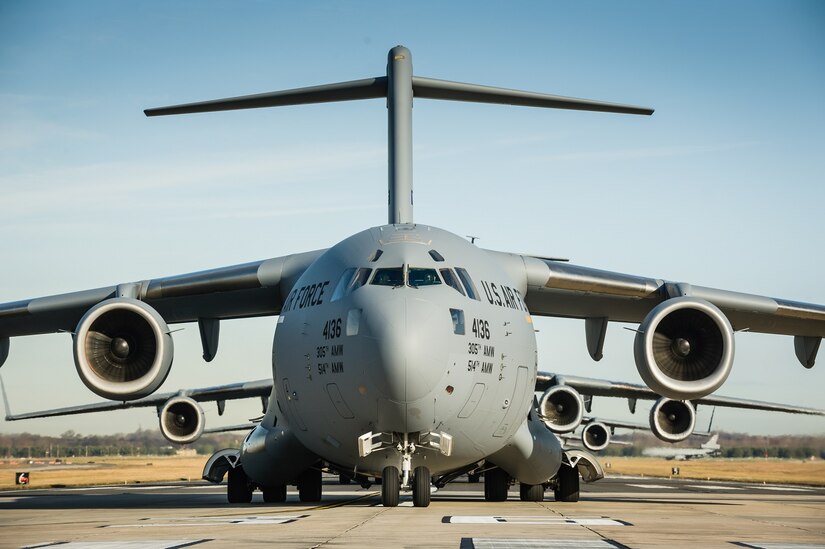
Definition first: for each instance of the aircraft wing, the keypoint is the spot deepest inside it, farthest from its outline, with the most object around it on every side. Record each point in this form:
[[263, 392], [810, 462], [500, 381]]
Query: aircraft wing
[[602, 387], [560, 289], [233, 391], [251, 289]]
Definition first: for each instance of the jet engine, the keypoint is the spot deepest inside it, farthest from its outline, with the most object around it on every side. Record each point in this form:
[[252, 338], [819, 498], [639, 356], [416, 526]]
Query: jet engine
[[595, 436], [122, 349], [684, 348], [181, 420], [672, 420], [561, 408]]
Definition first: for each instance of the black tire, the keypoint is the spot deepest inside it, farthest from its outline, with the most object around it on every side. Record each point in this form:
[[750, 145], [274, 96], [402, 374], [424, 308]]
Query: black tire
[[363, 480], [473, 477], [496, 483], [567, 484], [238, 489], [274, 494], [531, 492], [390, 487], [309, 486], [421, 487], [344, 479]]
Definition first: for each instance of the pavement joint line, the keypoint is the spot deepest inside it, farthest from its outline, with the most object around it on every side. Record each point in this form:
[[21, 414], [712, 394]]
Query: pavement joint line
[[363, 522]]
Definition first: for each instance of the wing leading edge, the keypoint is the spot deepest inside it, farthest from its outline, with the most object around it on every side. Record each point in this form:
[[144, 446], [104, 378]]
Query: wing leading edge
[[237, 291]]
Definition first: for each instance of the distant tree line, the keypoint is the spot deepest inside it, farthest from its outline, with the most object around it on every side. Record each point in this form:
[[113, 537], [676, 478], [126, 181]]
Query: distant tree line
[[150, 442], [74, 445]]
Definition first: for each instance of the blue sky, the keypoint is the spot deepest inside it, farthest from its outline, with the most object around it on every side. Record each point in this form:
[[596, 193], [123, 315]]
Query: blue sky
[[721, 187]]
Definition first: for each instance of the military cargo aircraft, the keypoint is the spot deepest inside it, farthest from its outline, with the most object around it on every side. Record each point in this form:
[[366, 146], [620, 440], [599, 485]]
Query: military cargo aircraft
[[708, 449], [405, 351]]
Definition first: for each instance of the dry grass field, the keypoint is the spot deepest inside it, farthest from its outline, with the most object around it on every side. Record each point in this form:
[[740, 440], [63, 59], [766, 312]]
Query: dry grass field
[[115, 470], [780, 471], [132, 470]]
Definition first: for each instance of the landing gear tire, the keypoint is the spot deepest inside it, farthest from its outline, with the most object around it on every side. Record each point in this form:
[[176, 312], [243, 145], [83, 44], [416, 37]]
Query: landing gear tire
[[344, 479], [531, 492], [473, 477], [390, 486], [238, 489], [309, 486], [496, 483], [274, 494], [421, 487], [567, 484]]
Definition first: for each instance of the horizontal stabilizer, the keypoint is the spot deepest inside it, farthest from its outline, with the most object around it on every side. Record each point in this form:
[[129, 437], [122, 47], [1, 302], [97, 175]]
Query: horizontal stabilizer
[[368, 88], [457, 91], [372, 88]]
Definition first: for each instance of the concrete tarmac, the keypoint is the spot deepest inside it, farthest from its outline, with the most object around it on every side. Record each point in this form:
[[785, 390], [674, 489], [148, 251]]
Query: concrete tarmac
[[615, 512]]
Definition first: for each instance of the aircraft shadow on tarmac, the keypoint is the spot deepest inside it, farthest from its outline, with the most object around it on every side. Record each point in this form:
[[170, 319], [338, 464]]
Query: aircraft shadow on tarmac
[[172, 500]]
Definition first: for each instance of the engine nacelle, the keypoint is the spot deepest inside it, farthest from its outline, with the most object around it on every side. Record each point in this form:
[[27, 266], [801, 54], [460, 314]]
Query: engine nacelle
[[122, 349], [181, 420], [672, 420], [595, 436], [561, 408], [684, 348]]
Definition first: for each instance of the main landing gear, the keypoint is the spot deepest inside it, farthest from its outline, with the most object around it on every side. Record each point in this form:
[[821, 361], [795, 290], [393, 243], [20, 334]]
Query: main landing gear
[[567, 484], [496, 483], [238, 487], [309, 485]]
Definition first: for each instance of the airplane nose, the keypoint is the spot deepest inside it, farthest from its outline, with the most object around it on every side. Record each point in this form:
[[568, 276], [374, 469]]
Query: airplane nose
[[410, 334]]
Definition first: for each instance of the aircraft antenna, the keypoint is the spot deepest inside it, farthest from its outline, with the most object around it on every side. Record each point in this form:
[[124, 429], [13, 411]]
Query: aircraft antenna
[[399, 86]]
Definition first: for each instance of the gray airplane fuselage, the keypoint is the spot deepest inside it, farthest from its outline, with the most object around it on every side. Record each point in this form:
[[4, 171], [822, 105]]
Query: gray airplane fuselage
[[374, 338]]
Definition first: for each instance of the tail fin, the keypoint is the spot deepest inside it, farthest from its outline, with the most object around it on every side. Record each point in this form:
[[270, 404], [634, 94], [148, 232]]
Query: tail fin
[[399, 86], [712, 444]]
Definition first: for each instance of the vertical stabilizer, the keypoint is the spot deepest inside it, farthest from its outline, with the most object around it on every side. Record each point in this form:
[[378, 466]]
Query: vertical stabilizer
[[712, 444], [399, 113], [399, 86]]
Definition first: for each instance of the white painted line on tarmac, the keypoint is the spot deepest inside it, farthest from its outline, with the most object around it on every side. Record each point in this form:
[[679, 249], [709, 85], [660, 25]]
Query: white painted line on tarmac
[[760, 545], [536, 520], [209, 521], [503, 543], [142, 544], [713, 487], [782, 488], [653, 486]]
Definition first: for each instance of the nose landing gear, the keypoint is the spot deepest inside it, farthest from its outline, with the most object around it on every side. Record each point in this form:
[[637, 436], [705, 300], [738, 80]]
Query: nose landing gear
[[393, 480], [390, 486], [421, 487]]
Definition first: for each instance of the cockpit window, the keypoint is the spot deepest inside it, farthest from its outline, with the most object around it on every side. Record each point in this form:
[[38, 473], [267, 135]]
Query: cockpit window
[[468, 283], [343, 282], [450, 279], [393, 276], [351, 280], [422, 277], [359, 279]]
